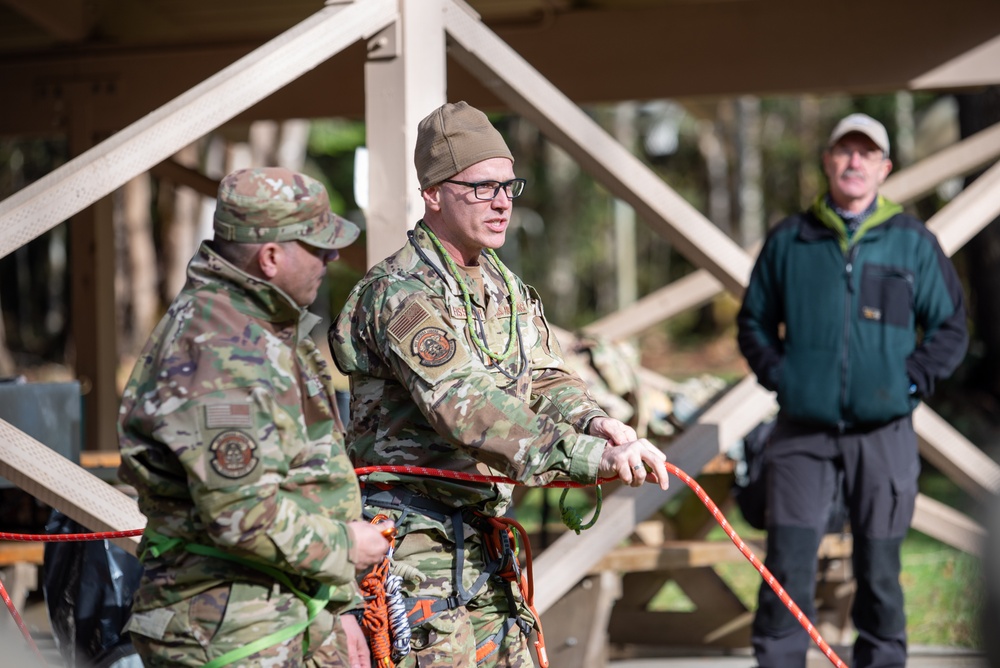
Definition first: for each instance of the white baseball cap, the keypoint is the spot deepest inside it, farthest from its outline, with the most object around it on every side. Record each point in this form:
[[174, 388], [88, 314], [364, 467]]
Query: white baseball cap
[[864, 124]]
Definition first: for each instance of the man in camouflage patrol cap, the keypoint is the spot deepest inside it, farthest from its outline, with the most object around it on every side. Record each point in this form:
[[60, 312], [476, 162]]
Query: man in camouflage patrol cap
[[230, 435], [453, 366]]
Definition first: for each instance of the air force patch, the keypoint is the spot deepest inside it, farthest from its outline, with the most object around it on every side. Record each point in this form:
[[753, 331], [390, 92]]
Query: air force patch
[[233, 454], [432, 346]]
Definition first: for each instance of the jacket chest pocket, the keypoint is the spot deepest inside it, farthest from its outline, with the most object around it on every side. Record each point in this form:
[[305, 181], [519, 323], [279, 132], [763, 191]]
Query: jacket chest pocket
[[886, 295]]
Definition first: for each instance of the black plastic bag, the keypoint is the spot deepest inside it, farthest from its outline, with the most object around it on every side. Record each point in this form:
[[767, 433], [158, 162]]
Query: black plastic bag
[[750, 486], [88, 589]]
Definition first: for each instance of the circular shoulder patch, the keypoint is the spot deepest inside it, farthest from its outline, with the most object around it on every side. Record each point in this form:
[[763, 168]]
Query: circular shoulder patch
[[432, 346], [234, 454]]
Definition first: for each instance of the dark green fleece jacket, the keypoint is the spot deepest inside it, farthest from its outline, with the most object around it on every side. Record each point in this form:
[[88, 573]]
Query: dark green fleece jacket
[[842, 325]]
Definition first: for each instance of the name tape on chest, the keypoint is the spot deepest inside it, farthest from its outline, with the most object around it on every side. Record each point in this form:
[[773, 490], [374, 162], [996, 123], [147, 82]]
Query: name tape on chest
[[458, 312]]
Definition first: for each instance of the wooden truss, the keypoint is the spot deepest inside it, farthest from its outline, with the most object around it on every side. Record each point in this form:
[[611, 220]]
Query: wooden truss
[[407, 43]]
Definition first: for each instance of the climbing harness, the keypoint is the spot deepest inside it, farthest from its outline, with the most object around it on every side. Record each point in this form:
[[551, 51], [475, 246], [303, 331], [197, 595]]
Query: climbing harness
[[498, 539], [716, 513], [157, 544]]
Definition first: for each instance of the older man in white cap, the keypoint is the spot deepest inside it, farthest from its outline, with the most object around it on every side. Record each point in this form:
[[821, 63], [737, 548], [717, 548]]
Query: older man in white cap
[[453, 366], [830, 322]]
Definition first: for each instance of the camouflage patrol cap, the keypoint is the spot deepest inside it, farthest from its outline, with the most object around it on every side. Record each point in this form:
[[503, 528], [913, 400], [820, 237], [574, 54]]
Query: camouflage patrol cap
[[264, 204], [455, 136]]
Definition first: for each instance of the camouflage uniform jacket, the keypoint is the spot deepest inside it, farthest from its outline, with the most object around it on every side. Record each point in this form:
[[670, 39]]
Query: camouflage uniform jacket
[[229, 435], [423, 394]]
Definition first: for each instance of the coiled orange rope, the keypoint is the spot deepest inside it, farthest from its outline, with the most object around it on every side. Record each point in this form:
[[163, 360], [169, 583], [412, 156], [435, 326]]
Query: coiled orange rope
[[376, 613]]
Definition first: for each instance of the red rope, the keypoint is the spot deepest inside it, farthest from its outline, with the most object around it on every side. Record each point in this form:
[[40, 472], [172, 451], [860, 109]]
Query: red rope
[[68, 537], [690, 482], [20, 623]]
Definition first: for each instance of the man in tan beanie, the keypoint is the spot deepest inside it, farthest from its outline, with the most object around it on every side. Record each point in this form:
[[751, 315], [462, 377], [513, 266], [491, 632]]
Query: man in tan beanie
[[453, 366], [230, 435]]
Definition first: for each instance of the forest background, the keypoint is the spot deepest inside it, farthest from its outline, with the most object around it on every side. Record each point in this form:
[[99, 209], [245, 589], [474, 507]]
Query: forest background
[[744, 162]]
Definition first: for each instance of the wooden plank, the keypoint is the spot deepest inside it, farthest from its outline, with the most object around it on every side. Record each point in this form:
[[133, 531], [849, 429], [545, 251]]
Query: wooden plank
[[576, 628], [671, 555], [58, 482], [959, 159], [92, 298], [100, 460], [719, 617], [955, 456], [529, 94], [16, 552], [571, 556], [969, 212], [695, 289], [948, 526], [154, 138]]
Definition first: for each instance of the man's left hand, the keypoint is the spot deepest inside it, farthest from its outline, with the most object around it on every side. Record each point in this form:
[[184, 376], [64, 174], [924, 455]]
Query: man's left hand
[[616, 431]]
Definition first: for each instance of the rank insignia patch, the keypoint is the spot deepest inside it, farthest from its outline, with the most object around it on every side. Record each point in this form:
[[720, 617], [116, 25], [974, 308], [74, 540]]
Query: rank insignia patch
[[234, 454], [432, 346]]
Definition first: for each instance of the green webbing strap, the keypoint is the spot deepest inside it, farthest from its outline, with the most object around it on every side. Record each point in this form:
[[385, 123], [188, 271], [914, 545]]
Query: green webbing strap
[[158, 544]]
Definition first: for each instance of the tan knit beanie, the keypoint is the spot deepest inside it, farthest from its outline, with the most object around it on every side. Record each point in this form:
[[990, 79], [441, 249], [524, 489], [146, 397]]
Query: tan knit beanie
[[455, 136]]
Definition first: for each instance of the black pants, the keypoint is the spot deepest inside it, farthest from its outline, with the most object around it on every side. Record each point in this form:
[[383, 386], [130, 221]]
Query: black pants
[[880, 468]]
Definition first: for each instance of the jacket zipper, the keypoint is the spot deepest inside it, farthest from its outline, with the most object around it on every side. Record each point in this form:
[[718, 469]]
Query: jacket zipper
[[852, 254]]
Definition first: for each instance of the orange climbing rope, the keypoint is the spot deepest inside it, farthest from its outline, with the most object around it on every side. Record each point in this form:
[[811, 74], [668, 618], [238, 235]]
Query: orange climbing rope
[[376, 613]]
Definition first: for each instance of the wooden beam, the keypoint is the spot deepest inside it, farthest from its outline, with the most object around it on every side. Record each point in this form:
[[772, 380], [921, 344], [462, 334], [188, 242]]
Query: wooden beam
[[571, 556], [695, 289], [176, 173], [948, 526], [975, 67], [58, 482], [672, 555], [404, 81], [961, 461], [969, 212], [959, 159], [93, 331], [152, 139], [526, 92]]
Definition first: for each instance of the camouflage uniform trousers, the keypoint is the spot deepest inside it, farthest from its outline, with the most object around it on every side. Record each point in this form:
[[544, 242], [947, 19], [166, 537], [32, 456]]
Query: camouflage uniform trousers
[[226, 618], [451, 638]]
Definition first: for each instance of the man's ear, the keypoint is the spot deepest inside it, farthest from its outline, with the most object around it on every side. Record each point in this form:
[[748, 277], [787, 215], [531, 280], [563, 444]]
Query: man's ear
[[269, 259], [886, 168], [432, 197]]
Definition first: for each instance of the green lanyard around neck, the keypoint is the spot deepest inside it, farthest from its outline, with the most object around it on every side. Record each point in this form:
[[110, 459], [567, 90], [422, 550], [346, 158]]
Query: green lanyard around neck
[[508, 280]]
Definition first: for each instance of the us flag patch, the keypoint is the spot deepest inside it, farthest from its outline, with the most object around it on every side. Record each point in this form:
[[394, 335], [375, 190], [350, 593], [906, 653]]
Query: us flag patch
[[227, 415], [407, 321]]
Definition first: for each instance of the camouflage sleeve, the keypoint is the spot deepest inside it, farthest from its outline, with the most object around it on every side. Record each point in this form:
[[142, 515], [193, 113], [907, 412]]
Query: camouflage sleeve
[[255, 498], [554, 384], [460, 398]]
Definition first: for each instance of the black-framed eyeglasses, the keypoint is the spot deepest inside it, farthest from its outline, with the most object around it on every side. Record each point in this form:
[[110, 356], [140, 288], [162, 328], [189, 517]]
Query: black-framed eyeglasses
[[488, 190]]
